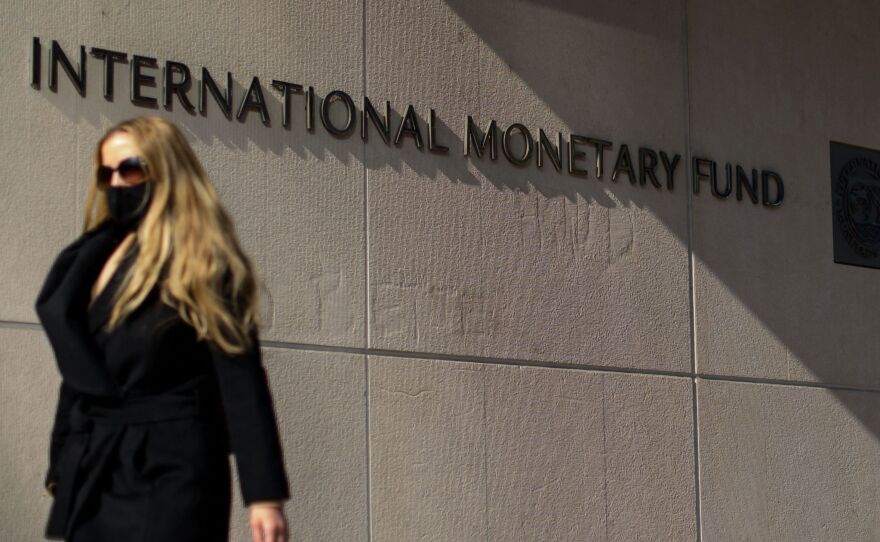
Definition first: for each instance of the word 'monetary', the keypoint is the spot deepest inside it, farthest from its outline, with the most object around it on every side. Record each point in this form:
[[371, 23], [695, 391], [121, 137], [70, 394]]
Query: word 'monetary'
[[519, 145]]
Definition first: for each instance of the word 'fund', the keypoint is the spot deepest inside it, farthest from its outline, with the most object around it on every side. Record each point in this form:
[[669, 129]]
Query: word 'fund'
[[517, 143]]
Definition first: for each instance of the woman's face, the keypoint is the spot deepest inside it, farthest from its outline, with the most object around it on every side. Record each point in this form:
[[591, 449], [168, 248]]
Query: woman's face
[[118, 147]]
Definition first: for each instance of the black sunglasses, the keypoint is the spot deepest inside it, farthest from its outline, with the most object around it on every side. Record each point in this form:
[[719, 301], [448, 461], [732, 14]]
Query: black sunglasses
[[129, 169]]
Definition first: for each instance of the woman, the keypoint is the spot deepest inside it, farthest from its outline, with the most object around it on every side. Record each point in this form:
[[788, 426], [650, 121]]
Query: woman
[[152, 315]]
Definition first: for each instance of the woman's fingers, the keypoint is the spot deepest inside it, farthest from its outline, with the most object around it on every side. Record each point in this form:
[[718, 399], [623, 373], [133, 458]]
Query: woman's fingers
[[257, 531], [268, 525], [273, 532]]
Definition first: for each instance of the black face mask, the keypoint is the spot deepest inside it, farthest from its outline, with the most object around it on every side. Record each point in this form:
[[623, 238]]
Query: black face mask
[[129, 204]]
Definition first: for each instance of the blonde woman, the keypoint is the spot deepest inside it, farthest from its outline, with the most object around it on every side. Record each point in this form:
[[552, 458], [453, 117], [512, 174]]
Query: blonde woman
[[152, 315]]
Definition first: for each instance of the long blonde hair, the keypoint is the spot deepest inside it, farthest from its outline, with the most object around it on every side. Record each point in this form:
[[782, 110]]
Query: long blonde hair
[[187, 233]]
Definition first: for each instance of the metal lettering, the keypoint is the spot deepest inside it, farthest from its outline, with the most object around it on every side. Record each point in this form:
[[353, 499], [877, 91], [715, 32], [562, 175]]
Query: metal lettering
[[433, 146], [286, 90], [555, 152], [78, 77], [310, 109], [179, 88], [670, 168], [600, 145], [224, 99], [409, 125], [137, 79], [624, 164], [728, 187], [766, 177], [337, 95], [36, 58], [698, 175], [383, 125], [751, 187], [109, 57], [479, 140], [527, 138], [254, 101], [647, 163], [574, 154]]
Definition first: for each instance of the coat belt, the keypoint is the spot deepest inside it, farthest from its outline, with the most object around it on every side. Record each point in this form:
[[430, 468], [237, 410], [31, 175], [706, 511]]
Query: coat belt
[[75, 484]]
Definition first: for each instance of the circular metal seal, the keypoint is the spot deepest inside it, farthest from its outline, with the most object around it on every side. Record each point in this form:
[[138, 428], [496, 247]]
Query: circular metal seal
[[857, 205]]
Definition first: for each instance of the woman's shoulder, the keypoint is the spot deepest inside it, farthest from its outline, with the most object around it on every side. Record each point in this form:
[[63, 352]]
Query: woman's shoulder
[[105, 229], [68, 265]]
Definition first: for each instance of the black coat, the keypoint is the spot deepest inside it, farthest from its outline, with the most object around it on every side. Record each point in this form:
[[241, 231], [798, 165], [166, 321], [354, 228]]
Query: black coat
[[147, 415]]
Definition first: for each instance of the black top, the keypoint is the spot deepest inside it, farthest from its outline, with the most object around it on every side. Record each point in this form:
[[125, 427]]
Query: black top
[[151, 354]]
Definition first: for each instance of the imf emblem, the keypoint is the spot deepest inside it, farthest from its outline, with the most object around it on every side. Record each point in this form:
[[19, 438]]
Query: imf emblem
[[855, 204]]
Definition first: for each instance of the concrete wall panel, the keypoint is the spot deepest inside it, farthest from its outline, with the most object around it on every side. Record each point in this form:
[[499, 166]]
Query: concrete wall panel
[[296, 197], [463, 451], [41, 159], [473, 257], [29, 389], [788, 463], [319, 400], [771, 84]]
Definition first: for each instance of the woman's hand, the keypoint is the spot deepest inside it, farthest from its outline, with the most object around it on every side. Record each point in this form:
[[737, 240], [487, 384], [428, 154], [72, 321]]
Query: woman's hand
[[268, 524]]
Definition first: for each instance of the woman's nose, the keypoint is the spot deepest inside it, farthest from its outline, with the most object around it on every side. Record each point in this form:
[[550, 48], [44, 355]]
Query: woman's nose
[[116, 180]]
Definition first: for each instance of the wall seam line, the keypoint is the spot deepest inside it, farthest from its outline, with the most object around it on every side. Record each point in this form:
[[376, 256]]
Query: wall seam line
[[434, 356], [605, 457], [691, 277], [366, 226]]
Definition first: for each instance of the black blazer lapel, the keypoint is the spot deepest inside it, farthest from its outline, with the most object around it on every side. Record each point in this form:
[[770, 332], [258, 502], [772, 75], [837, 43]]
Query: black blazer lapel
[[61, 307], [99, 312]]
